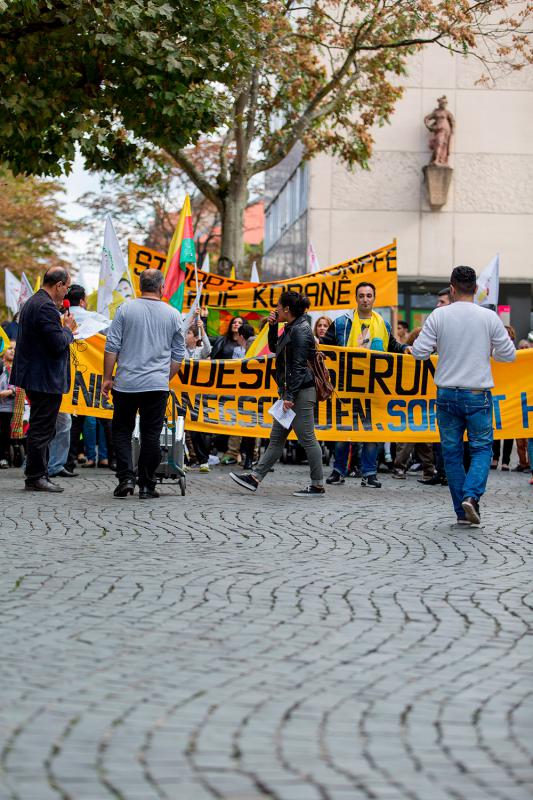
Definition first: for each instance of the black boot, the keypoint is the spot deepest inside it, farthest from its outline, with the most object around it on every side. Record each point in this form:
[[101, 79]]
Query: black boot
[[125, 488]]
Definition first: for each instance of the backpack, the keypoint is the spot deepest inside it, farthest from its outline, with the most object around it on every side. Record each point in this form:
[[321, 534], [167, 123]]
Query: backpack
[[323, 384]]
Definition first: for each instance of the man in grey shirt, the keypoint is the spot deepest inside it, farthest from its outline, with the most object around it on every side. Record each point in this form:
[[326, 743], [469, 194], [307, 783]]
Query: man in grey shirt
[[146, 342], [465, 336]]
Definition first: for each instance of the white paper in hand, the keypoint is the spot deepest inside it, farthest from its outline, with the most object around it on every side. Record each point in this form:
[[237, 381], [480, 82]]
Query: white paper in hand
[[284, 418]]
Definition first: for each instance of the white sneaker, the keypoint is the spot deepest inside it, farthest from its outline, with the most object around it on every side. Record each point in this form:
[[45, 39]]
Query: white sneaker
[[204, 468]]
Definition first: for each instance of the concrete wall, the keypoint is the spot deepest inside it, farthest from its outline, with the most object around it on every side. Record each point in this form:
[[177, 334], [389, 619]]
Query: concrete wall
[[490, 203]]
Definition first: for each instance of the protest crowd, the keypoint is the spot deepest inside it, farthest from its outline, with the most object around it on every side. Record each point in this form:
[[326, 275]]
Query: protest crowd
[[148, 340]]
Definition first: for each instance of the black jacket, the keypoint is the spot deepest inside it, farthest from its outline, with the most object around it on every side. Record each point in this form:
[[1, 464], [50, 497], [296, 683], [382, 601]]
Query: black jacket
[[293, 349], [42, 355]]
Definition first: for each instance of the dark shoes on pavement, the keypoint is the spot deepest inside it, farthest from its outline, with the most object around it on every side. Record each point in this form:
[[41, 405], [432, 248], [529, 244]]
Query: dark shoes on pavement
[[311, 491], [145, 493], [335, 479], [66, 473], [471, 508], [124, 488], [371, 482], [43, 485], [246, 481], [399, 474], [434, 480]]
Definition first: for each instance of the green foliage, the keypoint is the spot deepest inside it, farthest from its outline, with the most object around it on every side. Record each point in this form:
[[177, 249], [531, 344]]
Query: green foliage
[[32, 228], [111, 75]]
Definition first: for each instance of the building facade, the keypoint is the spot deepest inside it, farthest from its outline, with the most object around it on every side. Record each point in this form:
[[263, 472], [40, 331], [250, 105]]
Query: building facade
[[489, 208]]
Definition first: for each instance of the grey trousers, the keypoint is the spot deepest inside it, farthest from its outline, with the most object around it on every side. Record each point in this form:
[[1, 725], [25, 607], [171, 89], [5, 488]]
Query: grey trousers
[[304, 428]]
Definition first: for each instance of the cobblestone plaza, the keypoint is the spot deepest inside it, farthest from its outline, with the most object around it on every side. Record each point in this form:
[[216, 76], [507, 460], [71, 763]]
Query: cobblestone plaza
[[242, 647]]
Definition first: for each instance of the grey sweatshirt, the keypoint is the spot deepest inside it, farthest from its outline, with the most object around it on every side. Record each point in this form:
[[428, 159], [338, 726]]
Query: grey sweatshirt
[[465, 336], [146, 335]]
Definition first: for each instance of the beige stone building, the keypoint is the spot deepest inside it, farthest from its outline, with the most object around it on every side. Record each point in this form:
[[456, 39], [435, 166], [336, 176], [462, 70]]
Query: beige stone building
[[489, 208]]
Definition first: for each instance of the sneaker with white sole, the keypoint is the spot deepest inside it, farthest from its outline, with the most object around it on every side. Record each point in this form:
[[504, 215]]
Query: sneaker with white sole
[[371, 481], [246, 481], [204, 468], [471, 508], [310, 491], [335, 478]]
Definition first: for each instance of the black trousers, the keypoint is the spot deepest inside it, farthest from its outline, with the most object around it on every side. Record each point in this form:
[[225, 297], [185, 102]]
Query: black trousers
[[201, 446], [151, 407], [507, 450], [75, 433], [5, 435], [44, 409]]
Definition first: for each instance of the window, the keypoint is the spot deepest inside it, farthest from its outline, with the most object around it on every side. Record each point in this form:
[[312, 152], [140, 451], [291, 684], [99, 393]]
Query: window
[[287, 206]]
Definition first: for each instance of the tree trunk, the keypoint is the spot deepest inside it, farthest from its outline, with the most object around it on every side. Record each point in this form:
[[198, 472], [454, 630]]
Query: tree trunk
[[232, 221]]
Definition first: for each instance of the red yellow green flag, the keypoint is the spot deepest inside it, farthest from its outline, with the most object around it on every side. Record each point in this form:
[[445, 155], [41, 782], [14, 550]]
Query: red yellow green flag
[[181, 252]]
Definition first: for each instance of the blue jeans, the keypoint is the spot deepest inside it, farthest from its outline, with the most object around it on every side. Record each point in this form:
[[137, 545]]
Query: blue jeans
[[530, 453], [460, 410], [369, 458], [90, 427], [342, 451], [60, 444]]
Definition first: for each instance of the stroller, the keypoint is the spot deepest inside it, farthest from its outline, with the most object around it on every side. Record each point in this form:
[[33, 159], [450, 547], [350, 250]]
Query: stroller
[[172, 442]]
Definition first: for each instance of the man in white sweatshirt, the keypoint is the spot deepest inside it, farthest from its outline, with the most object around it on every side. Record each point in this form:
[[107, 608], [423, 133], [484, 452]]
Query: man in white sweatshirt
[[465, 336]]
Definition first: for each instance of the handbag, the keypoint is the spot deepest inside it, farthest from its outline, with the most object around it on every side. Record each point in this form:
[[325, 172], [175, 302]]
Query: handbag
[[323, 385]]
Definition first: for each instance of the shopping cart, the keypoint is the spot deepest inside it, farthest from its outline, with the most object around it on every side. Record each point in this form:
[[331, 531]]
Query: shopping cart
[[172, 443]]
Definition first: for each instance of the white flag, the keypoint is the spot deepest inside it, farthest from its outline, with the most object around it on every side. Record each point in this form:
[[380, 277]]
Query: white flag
[[254, 275], [12, 291], [205, 263], [25, 290], [111, 268], [314, 266], [191, 314], [488, 284]]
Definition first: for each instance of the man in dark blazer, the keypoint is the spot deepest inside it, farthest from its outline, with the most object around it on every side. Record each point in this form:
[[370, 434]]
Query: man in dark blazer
[[42, 368]]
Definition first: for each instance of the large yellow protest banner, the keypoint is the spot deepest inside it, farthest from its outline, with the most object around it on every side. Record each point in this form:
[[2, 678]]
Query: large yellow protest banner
[[333, 287], [379, 396]]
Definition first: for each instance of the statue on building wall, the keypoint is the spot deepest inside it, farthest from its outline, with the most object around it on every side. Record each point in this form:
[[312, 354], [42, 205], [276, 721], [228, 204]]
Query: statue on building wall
[[441, 124]]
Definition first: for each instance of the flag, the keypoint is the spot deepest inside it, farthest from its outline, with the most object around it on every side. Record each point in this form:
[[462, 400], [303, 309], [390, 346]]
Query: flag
[[254, 275], [25, 290], [181, 252], [219, 319], [191, 314], [4, 340], [259, 346], [112, 268], [488, 284], [205, 263], [232, 275], [313, 265], [12, 291]]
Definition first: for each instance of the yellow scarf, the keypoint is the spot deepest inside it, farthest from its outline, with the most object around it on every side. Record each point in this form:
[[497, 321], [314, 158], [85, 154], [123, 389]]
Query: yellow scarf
[[375, 334]]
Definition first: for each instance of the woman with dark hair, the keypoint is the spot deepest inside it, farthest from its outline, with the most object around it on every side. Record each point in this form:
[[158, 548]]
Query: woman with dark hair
[[226, 345], [296, 386]]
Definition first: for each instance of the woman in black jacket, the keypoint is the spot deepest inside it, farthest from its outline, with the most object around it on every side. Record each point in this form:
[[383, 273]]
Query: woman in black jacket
[[296, 387], [228, 345]]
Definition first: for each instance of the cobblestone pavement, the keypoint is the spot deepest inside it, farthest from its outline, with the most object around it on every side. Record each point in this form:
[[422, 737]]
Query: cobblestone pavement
[[225, 645]]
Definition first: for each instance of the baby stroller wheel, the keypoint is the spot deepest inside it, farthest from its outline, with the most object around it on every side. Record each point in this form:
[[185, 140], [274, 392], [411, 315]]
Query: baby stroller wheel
[[183, 485]]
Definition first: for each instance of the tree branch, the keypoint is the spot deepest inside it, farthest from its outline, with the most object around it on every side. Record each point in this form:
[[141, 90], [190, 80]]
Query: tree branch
[[314, 111], [197, 178]]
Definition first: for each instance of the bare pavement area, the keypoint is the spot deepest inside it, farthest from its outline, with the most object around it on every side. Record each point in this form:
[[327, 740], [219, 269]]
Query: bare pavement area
[[226, 645]]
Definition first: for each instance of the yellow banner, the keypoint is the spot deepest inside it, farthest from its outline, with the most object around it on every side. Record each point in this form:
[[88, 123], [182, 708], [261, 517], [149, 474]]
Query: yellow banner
[[333, 287], [379, 396]]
